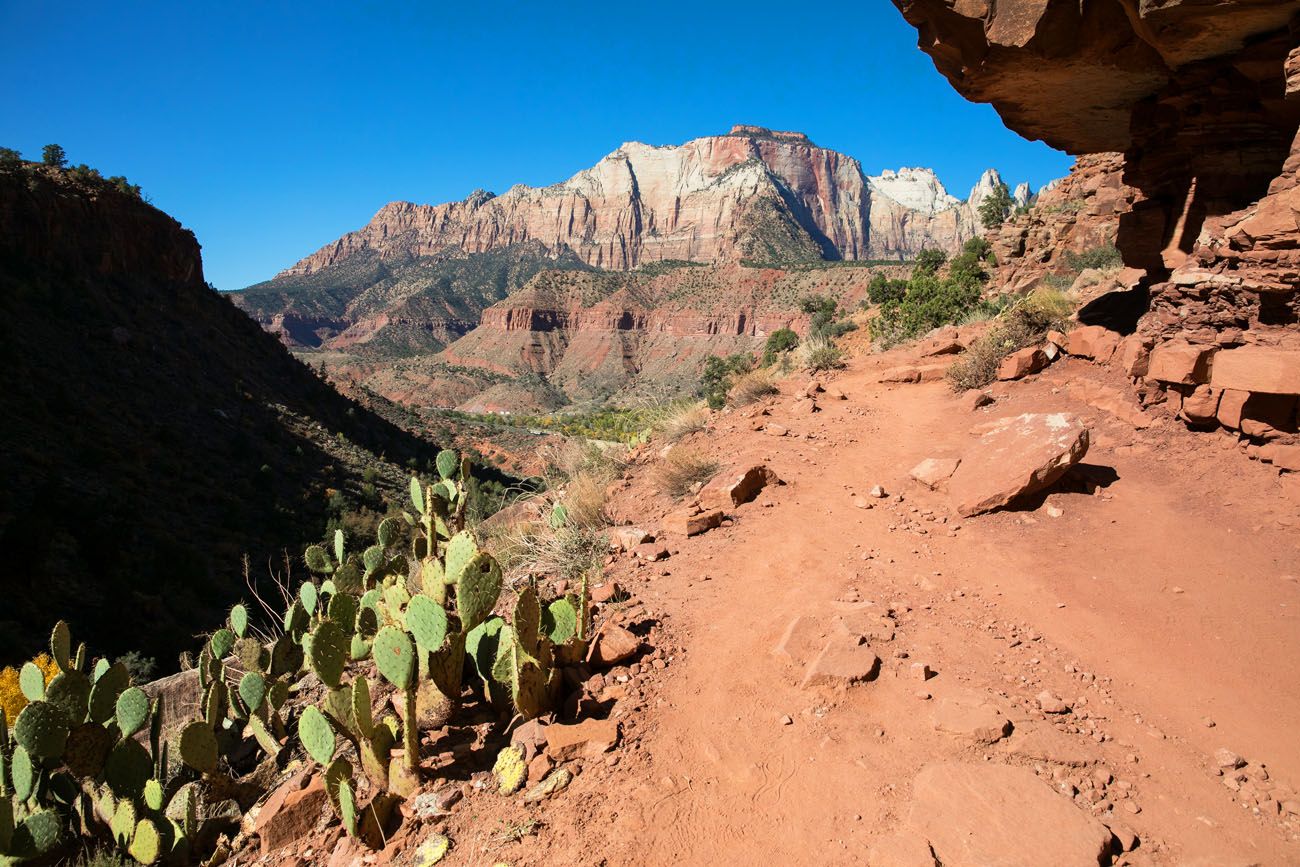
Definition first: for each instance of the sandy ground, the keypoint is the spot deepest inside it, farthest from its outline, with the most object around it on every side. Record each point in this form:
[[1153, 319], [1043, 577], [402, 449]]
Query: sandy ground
[[1161, 607]]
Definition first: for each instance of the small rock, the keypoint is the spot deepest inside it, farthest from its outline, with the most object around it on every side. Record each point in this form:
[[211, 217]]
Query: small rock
[[931, 472], [589, 737], [1049, 703], [786, 720], [877, 492], [1226, 758], [920, 671], [556, 782]]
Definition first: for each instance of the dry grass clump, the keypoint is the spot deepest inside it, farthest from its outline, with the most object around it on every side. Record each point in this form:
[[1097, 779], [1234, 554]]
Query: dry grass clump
[[752, 386], [679, 420], [1023, 324], [681, 469], [577, 476], [819, 352]]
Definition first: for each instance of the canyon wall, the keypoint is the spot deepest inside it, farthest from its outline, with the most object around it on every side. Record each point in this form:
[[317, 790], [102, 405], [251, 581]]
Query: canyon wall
[[1203, 102], [750, 194]]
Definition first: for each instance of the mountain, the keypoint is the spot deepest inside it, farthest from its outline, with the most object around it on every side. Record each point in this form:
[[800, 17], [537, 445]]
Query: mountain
[[417, 276], [152, 433]]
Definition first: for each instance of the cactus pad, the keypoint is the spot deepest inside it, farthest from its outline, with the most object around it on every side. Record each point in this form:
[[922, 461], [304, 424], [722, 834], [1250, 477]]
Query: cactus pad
[[432, 850], [250, 653], [61, 645], [128, 768], [308, 595], [417, 494], [360, 648], [252, 690], [199, 747], [316, 734], [461, 548], [427, 621], [70, 692], [146, 842], [348, 579], [510, 770], [559, 516], [317, 560], [339, 545], [296, 619], [361, 715], [559, 620], [373, 558], [42, 728], [31, 680], [239, 621], [388, 531], [477, 590], [103, 695], [153, 795], [337, 771], [223, 641], [87, 749], [132, 711], [394, 654], [278, 693], [343, 611], [348, 807], [40, 831], [23, 771], [448, 463], [327, 652]]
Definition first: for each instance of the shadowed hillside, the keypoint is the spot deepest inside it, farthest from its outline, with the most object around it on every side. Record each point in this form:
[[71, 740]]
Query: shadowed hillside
[[152, 433]]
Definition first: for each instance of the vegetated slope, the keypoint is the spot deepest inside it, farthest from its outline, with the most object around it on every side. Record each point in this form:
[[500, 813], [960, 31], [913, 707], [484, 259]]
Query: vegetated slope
[[393, 306], [152, 433]]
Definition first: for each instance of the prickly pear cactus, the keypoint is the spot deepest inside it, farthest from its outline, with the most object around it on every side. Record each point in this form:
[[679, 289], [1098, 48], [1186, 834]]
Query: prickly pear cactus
[[42, 728], [394, 654], [146, 842], [61, 646], [448, 463], [427, 621], [478, 586], [510, 770], [327, 652], [317, 735], [198, 746], [132, 711]]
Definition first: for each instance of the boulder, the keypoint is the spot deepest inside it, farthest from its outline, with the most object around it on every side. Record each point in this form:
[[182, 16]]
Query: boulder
[[1260, 369], [1178, 361], [1135, 356], [1231, 405], [614, 644], [1284, 457], [931, 472], [1268, 416], [1201, 406], [977, 815], [741, 489], [290, 814], [590, 738], [1093, 341], [686, 524], [1118, 404], [1016, 456], [974, 399], [901, 374], [843, 661], [1022, 363]]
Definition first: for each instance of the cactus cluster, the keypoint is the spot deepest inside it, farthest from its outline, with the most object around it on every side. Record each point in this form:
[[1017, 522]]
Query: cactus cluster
[[86, 755], [75, 761]]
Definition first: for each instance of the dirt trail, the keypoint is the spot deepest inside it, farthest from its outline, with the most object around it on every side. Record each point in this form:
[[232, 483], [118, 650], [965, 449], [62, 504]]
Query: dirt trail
[[1156, 603]]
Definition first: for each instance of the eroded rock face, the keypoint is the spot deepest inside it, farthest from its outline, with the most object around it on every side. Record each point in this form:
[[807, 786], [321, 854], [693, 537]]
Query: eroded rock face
[[1194, 95], [753, 194]]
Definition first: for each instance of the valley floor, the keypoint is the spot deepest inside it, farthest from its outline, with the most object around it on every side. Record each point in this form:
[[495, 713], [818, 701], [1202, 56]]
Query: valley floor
[[1162, 609]]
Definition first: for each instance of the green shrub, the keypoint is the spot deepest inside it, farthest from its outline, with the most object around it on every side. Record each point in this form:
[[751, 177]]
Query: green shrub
[[10, 159], [1106, 256], [882, 290], [929, 301], [821, 353], [779, 341], [930, 260], [718, 375], [1024, 323], [54, 156], [993, 210]]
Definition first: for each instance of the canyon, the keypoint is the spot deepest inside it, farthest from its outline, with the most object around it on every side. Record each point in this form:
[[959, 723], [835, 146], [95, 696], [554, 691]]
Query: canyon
[[424, 302]]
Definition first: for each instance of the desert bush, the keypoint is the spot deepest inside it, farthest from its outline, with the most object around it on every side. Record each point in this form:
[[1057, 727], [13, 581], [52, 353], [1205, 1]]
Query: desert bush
[[929, 260], [1105, 256], [681, 419], [821, 353], [930, 300], [1023, 324], [993, 210], [681, 469], [779, 341], [752, 386], [718, 376]]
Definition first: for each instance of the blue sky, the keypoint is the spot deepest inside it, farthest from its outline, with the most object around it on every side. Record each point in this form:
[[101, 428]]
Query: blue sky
[[272, 128]]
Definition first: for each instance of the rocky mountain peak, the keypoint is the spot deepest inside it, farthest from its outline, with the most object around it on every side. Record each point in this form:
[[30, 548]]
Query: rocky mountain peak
[[916, 188], [761, 132]]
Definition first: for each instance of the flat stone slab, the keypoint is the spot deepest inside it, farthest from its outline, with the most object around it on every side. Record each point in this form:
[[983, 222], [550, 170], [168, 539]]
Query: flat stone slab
[[1016, 456], [970, 718], [991, 815], [932, 472]]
